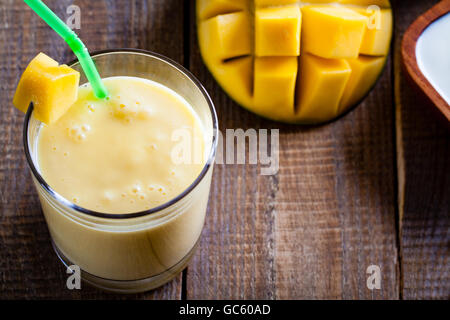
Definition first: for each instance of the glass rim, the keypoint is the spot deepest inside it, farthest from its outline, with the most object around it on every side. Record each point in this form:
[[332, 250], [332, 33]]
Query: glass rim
[[163, 206]]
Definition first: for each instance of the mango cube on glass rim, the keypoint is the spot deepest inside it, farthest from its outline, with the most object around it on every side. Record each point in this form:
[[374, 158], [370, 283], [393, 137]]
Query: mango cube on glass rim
[[228, 35], [332, 32], [52, 88], [277, 31]]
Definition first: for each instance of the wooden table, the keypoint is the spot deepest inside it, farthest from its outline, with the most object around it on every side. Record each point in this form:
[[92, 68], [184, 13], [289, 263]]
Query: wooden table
[[370, 189]]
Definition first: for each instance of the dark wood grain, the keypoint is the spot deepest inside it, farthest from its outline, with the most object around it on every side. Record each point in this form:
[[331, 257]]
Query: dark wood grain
[[423, 147], [311, 230], [28, 265]]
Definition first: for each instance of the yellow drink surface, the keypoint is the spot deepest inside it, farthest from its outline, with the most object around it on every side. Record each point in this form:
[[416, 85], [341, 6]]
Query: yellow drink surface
[[122, 154]]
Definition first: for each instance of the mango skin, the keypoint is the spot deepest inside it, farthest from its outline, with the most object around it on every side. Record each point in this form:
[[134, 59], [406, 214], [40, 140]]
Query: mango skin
[[267, 90], [29, 79], [52, 89]]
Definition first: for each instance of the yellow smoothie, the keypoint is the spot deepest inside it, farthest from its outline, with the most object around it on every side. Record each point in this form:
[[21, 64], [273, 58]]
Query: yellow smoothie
[[125, 155], [119, 155]]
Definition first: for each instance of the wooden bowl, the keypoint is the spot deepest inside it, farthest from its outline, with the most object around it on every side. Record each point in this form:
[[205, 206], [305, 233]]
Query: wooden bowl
[[409, 54]]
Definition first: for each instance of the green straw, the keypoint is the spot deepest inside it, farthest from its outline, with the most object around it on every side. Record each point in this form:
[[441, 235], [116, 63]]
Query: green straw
[[74, 43]]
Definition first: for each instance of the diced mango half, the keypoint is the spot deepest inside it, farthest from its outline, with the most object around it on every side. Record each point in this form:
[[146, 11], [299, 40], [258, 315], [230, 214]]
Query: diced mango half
[[277, 31], [295, 61], [269, 3], [52, 88], [226, 36], [377, 38], [332, 32], [321, 86], [210, 8], [274, 85], [365, 71]]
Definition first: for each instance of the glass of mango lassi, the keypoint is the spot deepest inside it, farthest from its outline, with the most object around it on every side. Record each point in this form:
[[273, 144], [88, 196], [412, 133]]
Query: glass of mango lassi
[[124, 181]]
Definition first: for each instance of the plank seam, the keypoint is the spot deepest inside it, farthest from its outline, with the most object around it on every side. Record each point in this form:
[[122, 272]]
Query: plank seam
[[398, 166]]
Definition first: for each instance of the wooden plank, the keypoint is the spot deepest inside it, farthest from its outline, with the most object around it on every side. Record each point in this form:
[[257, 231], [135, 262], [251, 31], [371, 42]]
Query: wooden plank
[[311, 230], [28, 265], [235, 255], [423, 144], [336, 205]]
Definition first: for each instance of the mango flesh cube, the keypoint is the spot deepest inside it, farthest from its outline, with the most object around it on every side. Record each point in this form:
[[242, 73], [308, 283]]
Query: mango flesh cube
[[274, 85], [210, 8], [268, 3], [321, 85], [367, 3], [377, 38], [365, 71], [21, 101], [236, 78], [51, 88], [227, 36], [277, 31], [332, 32]]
